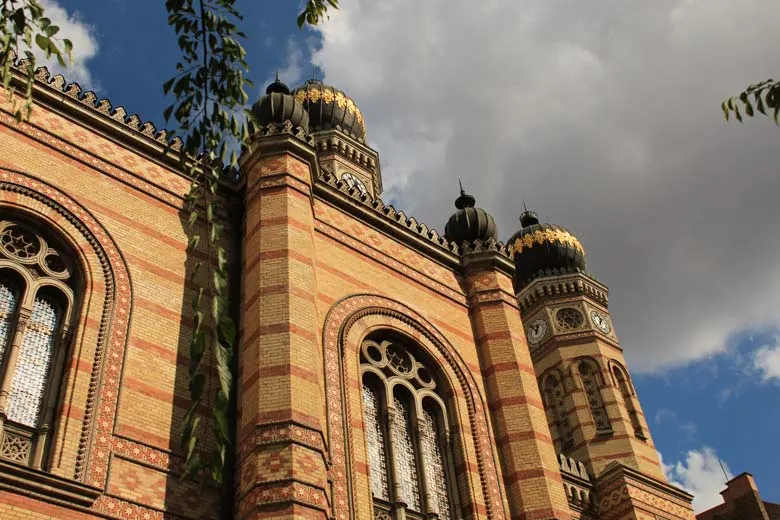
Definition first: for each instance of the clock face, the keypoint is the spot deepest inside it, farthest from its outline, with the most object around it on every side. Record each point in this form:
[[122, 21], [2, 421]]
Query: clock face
[[600, 321], [536, 331]]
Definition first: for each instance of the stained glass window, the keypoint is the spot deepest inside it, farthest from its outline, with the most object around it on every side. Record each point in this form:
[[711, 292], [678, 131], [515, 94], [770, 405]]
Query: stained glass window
[[7, 312], [628, 402], [437, 478], [405, 456], [376, 444], [32, 367], [26, 375], [414, 442]]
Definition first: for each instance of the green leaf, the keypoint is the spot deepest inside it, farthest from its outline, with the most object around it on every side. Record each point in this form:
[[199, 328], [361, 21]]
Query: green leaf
[[197, 384], [223, 368], [227, 330]]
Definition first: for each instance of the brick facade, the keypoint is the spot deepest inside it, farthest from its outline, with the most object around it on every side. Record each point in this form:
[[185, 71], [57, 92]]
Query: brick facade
[[320, 268]]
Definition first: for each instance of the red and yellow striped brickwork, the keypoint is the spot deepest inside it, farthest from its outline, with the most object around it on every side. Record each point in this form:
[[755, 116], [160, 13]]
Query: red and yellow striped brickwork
[[319, 271]]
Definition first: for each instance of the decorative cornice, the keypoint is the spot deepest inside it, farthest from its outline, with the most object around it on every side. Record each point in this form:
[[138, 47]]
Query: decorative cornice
[[355, 151], [103, 106], [560, 286], [417, 235]]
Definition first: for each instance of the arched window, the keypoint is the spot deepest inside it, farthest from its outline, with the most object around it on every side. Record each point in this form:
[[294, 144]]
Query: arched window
[[588, 371], [554, 396], [36, 298], [407, 435], [628, 401]]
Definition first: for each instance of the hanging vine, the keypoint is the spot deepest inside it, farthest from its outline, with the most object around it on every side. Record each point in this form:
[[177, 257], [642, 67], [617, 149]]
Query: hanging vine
[[209, 109], [766, 99], [24, 27]]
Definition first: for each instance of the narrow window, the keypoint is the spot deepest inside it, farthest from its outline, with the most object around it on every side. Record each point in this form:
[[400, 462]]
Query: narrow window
[[411, 475], [31, 339], [590, 384]]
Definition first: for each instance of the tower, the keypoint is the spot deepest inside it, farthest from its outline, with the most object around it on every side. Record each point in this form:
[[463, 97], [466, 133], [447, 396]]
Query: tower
[[339, 135], [593, 412]]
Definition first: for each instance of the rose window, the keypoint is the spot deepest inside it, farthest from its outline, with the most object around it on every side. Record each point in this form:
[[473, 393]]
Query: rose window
[[569, 318]]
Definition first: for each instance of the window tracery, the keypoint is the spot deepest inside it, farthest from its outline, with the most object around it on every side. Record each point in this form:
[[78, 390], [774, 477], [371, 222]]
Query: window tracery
[[628, 401], [588, 376], [554, 393], [411, 476], [35, 300]]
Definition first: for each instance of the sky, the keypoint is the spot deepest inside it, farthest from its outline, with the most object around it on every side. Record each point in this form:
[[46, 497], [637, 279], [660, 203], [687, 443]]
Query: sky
[[603, 116]]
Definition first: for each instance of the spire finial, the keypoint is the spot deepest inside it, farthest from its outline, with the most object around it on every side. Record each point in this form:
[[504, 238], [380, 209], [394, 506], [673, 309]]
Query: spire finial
[[528, 217], [277, 86], [465, 200]]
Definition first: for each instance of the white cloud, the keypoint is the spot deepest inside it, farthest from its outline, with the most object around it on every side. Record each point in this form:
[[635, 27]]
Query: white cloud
[[85, 45], [701, 475], [604, 116], [766, 361]]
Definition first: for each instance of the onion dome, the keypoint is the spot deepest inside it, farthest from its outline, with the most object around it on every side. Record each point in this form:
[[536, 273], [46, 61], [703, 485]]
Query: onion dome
[[278, 106], [330, 108], [469, 223], [543, 250]]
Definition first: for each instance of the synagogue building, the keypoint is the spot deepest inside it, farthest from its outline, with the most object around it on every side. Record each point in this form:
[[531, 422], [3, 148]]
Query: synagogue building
[[384, 370]]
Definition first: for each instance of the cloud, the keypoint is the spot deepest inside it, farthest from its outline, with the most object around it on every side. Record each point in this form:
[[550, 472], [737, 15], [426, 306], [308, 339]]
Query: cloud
[[605, 118], [670, 417], [85, 45], [700, 474], [766, 361]]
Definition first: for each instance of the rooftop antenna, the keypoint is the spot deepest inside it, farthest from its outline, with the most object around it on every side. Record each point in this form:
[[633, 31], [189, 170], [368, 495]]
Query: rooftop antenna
[[723, 470]]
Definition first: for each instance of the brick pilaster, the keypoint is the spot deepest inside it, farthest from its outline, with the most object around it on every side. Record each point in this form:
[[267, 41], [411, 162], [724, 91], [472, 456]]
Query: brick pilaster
[[531, 472], [282, 462]]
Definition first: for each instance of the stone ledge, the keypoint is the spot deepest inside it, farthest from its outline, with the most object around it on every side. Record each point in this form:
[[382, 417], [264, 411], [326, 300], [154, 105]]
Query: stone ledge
[[45, 486]]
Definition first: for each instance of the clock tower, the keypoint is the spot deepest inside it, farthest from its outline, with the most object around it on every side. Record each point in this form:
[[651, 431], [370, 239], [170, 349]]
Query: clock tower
[[591, 404]]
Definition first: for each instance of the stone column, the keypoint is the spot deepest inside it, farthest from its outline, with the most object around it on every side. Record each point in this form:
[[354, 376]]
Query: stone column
[[530, 467], [281, 461]]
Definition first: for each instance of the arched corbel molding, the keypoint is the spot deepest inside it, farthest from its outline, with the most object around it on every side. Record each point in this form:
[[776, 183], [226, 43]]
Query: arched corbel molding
[[347, 323], [103, 269]]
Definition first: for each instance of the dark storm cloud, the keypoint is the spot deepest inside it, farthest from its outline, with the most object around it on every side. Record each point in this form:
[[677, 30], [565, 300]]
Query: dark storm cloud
[[604, 116]]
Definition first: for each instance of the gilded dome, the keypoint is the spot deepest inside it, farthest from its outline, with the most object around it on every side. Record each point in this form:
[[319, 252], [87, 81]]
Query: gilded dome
[[469, 223], [278, 106], [330, 108], [544, 249]]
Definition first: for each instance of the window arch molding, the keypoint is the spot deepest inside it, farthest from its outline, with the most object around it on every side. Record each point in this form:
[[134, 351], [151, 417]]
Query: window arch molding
[[350, 321], [105, 283]]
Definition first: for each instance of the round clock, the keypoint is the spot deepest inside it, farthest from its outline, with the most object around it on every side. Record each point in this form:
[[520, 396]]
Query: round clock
[[536, 331], [600, 321]]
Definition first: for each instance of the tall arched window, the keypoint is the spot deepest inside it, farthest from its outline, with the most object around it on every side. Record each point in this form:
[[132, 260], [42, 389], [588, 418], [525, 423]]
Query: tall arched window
[[588, 371], [36, 297], [554, 396], [407, 433], [628, 401]]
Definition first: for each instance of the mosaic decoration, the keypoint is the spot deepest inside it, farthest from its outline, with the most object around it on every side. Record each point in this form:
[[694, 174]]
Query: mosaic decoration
[[8, 304], [434, 464], [593, 394], [376, 444], [32, 367]]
